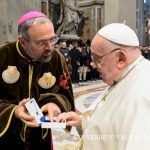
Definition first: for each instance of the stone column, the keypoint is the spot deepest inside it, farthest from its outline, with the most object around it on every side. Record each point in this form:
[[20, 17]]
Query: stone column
[[120, 11], [93, 9], [140, 22], [44, 7], [96, 19]]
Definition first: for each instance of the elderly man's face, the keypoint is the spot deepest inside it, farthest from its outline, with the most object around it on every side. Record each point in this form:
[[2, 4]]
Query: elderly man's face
[[41, 42], [104, 56]]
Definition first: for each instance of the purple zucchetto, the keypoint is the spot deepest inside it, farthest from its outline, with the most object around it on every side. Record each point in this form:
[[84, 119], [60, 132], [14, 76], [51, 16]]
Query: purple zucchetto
[[30, 15]]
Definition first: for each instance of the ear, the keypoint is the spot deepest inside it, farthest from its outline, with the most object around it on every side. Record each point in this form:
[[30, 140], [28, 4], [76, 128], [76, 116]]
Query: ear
[[22, 41], [122, 58]]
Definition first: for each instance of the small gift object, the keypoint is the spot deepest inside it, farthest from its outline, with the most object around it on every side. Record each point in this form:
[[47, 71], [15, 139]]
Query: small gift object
[[35, 111], [45, 123]]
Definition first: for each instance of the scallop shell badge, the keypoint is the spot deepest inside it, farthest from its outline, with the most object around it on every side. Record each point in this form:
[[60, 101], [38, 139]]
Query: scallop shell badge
[[47, 80], [11, 74]]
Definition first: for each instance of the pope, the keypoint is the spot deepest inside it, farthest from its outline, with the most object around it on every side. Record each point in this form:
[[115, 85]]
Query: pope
[[119, 119]]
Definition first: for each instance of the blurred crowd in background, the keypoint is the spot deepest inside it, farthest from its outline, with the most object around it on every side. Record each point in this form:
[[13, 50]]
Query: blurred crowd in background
[[145, 49], [78, 58]]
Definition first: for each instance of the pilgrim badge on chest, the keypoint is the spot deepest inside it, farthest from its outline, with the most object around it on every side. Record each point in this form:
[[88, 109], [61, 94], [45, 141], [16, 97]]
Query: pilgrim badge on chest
[[11, 75], [47, 80]]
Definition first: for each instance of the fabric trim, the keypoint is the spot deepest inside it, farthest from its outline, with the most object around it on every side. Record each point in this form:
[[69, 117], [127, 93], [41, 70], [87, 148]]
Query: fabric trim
[[23, 133], [30, 78], [17, 47], [8, 123], [44, 134]]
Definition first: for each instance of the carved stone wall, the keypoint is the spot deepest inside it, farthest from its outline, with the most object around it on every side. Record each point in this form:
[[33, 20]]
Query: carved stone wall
[[10, 12], [103, 12], [120, 11], [97, 13], [93, 17]]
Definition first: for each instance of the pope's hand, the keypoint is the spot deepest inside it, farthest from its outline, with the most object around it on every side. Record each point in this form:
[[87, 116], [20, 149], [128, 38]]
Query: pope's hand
[[72, 118]]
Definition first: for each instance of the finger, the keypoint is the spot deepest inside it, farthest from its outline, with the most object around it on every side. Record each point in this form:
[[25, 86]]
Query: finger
[[50, 114], [25, 100], [43, 108], [31, 123], [58, 119], [27, 117], [56, 111], [71, 123], [69, 116], [29, 120], [53, 113], [62, 117]]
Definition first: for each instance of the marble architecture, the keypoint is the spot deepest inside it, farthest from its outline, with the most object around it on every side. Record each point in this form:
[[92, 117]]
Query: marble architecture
[[94, 14], [141, 25], [10, 12], [102, 12]]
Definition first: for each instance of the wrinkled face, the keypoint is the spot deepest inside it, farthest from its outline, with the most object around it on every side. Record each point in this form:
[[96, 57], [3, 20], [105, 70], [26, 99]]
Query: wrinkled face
[[105, 58], [41, 40]]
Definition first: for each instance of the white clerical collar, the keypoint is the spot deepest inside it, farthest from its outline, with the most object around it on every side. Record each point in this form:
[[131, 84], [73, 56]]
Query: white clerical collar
[[129, 68]]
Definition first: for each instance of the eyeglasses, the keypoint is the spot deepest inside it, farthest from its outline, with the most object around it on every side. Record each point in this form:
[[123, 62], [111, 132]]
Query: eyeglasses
[[98, 60], [43, 43]]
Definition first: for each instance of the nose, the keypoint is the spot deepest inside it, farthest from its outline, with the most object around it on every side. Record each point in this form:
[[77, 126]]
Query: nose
[[49, 45]]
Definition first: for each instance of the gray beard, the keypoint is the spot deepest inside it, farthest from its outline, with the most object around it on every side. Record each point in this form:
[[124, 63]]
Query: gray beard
[[40, 59], [45, 60]]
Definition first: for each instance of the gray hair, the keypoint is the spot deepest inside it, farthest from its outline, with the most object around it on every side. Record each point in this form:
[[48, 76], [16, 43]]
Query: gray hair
[[22, 29]]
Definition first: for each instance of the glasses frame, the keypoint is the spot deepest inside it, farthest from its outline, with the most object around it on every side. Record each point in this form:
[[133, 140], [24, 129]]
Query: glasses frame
[[101, 57], [44, 43]]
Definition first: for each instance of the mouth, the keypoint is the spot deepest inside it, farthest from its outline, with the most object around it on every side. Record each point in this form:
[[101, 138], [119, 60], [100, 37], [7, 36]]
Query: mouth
[[47, 54]]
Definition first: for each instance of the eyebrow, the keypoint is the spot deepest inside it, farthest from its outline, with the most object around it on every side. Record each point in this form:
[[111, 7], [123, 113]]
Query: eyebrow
[[100, 57], [46, 39], [43, 39], [95, 54]]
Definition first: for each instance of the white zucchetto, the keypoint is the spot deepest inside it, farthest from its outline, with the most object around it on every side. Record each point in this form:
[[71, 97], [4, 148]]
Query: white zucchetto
[[119, 33]]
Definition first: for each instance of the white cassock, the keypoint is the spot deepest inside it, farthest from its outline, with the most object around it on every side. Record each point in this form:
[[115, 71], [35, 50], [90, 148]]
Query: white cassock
[[121, 121]]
